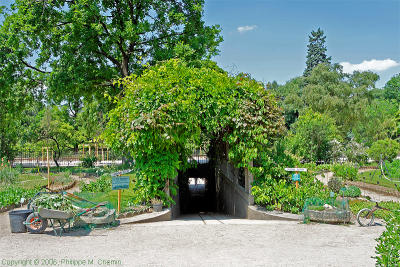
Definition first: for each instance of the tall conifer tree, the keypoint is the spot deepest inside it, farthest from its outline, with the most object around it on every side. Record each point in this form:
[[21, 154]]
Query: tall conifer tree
[[316, 53]]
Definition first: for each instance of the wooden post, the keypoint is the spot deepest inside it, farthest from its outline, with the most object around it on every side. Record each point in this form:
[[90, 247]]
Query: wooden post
[[48, 168], [102, 154], [97, 151], [42, 156], [83, 150], [119, 200], [90, 150], [107, 153]]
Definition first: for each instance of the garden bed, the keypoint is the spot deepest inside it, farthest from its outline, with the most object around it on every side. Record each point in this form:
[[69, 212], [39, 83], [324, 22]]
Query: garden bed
[[375, 188], [328, 216], [63, 188]]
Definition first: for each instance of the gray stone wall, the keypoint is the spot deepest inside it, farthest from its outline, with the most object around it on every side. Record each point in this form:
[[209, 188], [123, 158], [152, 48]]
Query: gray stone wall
[[232, 198]]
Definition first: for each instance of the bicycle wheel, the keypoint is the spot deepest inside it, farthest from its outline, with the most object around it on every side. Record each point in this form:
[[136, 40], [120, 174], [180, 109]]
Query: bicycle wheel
[[365, 217]]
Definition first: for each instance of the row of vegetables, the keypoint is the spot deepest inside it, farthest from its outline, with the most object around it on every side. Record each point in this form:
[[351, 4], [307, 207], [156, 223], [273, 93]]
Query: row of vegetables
[[13, 195]]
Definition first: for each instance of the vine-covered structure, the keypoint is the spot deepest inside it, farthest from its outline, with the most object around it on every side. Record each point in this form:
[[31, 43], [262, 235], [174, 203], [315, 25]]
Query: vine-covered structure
[[175, 107]]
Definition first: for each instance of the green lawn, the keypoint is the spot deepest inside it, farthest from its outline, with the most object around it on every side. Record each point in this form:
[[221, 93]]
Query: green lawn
[[374, 177], [111, 196], [30, 181], [356, 205]]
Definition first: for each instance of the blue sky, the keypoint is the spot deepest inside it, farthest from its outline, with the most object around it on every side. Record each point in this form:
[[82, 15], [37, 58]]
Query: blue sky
[[273, 42], [276, 46]]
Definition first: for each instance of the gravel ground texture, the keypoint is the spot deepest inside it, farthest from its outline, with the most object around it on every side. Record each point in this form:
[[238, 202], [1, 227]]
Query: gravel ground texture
[[195, 240]]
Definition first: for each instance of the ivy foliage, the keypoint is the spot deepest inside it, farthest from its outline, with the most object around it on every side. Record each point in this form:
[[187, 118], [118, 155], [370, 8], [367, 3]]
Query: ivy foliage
[[388, 247], [175, 107]]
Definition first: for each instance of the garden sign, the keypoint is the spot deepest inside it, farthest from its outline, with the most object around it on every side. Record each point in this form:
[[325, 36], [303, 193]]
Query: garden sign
[[296, 175], [118, 183]]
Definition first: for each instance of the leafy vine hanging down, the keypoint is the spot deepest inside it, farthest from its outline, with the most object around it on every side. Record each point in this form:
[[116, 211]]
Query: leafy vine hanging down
[[175, 107]]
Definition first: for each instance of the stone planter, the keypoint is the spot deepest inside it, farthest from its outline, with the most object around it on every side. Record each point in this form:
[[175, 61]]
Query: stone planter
[[328, 216], [157, 207]]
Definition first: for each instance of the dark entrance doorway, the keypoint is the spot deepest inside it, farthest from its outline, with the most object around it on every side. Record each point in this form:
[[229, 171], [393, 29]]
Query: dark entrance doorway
[[197, 189]]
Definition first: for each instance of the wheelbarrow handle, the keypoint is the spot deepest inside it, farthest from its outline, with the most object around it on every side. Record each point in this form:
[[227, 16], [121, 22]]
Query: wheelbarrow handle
[[95, 207]]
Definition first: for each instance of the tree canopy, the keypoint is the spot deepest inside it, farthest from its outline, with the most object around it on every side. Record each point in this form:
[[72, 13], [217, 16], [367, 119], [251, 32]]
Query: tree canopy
[[392, 88], [76, 48], [311, 136], [328, 90], [174, 107]]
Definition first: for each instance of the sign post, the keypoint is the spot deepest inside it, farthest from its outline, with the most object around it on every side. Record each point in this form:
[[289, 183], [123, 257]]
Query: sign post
[[296, 175], [119, 200], [48, 168], [118, 183]]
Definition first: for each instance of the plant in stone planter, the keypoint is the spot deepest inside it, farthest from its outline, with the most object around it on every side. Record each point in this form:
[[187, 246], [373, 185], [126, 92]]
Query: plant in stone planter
[[157, 204]]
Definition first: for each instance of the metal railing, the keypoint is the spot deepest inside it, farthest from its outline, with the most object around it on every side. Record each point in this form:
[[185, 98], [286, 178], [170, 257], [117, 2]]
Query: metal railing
[[34, 158]]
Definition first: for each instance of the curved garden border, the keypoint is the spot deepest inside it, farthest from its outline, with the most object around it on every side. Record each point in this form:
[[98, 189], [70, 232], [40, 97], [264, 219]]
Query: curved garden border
[[328, 216]]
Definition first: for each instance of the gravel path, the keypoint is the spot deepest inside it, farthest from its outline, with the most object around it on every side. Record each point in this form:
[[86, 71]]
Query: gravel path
[[198, 241], [324, 178]]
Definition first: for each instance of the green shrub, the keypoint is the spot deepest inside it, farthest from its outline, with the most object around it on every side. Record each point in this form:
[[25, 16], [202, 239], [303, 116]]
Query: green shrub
[[19, 168], [102, 184], [345, 171], [281, 194], [12, 195], [388, 247], [88, 162], [350, 191], [392, 168], [335, 184], [8, 176], [311, 136], [386, 148]]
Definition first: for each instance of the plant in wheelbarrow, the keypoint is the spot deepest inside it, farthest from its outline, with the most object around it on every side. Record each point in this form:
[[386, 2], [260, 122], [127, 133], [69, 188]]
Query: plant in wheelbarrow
[[54, 206]]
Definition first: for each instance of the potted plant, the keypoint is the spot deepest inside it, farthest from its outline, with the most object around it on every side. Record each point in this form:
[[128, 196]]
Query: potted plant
[[157, 204]]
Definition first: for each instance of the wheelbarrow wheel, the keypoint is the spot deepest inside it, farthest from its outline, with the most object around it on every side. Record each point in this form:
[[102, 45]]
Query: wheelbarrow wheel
[[36, 224]]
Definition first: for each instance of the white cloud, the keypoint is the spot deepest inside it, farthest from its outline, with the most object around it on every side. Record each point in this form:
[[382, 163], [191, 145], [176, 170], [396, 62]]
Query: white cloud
[[246, 28], [373, 65]]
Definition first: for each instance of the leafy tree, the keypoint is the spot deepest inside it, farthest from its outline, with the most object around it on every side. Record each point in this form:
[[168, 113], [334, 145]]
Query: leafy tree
[[14, 97], [392, 88], [316, 53], [356, 152], [329, 91], [173, 108], [91, 121], [311, 136], [77, 47], [386, 149], [290, 95], [55, 131], [378, 122]]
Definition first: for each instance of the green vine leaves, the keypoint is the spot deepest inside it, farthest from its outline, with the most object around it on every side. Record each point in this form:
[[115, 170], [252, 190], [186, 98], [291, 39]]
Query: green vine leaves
[[174, 108]]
